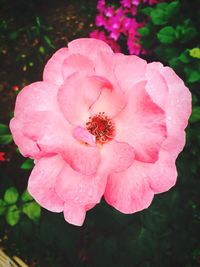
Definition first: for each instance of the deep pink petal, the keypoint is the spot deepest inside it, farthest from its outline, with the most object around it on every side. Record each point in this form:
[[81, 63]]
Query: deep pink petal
[[89, 47], [77, 62], [129, 191], [41, 184], [53, 69], [117, 156], [77, 94], [129, 70], [141, 124], [37, 96]]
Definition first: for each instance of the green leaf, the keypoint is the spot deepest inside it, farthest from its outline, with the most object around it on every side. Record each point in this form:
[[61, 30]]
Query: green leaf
[[11, 195], [195, 52], [32, 210], [195, 117], [173, 8], [13, 215], [26, 196], [184, 57], [159, 14], [192, 75], [166, 35], [3, 129], [2, 206], [144, 31], [5, 139], [48, 41], [147, 10], [42, 50], [27, 165]]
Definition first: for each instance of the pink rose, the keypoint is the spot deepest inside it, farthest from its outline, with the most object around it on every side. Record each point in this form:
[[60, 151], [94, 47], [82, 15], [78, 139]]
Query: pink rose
[[99, 124]]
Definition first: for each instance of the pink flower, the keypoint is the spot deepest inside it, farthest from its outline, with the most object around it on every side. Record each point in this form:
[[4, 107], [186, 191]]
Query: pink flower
[[99, 124]]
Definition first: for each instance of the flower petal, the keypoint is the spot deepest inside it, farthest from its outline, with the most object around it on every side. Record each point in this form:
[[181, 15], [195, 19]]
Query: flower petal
[[55, 136], [117, 156], [74, 214], [129, 191], [41, 184], [27, 147], [176, 101], [37, 96], [77, 94], [129, 70], [88, 47], [141, 124], [162, 174], [80, 193], [53, 69], [77, 62], [111, 101]]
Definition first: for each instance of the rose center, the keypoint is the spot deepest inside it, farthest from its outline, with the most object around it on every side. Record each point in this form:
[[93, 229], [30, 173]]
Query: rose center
[[101, 127]]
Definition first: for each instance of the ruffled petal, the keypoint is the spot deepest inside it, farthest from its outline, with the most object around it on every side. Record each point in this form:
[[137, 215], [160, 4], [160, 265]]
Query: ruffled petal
[[89, 47], [117, 156], [55, 136], [80, 193], [141, 124], [27, 147], [175, 99], [42, 181], [53, 69], [74, 214], [111, 101], [129, 70], [129, 191], [77, 62], [77, 94], [37, 96], [162, 174]]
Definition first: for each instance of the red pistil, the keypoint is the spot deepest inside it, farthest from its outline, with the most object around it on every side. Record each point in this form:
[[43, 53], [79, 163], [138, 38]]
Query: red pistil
[[101, 127]]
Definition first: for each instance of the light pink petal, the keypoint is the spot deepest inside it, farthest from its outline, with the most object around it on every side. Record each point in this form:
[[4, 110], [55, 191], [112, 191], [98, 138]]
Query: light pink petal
[[89, 47], [37, 96], [55, 136], [129, 191], [74, 214], [49, 130], [77, 94], [111, 101], [162, 174], [53, 69], [27, 147], [129, 70], [77, 62], [117, 156], [41, 184], [156, 85], [141, 124], [80, 193], [82, 134], [175, 99]]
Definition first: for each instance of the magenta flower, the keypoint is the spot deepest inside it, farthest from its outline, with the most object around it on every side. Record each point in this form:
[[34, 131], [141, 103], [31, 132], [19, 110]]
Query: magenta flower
[[99, 124]]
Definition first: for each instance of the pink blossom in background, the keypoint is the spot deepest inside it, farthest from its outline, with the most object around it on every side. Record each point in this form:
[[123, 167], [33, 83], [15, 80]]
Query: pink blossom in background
[[116, 23], [101, 124]]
